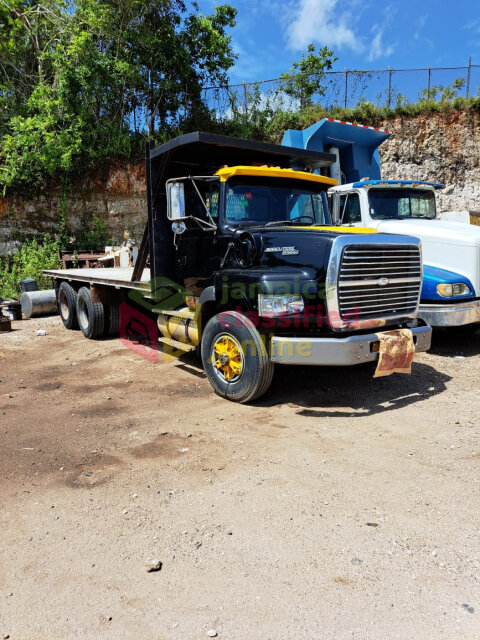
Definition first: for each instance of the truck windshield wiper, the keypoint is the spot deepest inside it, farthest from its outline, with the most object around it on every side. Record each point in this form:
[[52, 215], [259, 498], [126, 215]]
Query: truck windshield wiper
[[272, 223]]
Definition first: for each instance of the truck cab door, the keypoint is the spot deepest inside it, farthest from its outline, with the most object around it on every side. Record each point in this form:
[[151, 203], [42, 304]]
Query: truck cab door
[[196, 251], [350, 210]]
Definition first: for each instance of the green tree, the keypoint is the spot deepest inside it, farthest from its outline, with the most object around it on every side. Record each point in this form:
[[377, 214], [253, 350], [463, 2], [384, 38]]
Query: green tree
[[78, 80], [304, 80]]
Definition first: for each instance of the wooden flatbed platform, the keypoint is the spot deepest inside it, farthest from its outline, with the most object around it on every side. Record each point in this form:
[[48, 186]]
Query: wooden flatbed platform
[[114, 277]]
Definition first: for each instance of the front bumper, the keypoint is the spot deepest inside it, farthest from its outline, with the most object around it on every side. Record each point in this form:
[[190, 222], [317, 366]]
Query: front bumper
[[450, 315], [338, 352]]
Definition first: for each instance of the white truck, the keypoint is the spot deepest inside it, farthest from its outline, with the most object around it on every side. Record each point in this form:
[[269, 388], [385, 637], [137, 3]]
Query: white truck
[[450, 294]]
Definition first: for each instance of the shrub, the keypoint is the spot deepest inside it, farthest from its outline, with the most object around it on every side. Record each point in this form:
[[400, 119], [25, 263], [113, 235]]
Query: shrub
[[28, 262]]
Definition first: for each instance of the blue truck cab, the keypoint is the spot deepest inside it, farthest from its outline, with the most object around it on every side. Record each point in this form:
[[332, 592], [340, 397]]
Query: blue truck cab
[[450, 294]]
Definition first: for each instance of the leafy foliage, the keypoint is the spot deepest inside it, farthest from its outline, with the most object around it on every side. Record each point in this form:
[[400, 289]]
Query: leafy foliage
[[442, 94], [94, 238], [304, 80], [84, 81], [29, 262]]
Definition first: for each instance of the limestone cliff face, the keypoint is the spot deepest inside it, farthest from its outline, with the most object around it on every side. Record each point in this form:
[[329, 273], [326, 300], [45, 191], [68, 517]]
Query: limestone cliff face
[[442, 147], [116, 195]]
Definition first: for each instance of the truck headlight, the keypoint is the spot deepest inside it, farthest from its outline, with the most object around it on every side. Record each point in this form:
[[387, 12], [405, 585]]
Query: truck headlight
[[453, 289], [271, 305]]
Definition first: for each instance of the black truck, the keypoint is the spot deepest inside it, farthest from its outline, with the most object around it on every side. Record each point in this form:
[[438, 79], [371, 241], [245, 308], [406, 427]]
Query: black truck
[[238, 261]]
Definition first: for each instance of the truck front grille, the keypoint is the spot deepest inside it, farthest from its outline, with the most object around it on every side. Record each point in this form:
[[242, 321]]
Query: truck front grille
[[376, 281]]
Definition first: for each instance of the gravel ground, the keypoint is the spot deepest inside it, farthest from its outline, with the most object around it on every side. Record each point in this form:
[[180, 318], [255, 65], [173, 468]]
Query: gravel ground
[[337, 506]]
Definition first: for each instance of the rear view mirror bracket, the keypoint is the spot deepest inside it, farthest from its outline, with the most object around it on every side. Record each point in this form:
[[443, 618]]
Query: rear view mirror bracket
[[176, 210]]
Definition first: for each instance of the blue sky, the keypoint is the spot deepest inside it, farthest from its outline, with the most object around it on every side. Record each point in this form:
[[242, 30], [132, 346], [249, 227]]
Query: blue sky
[[364, 34]]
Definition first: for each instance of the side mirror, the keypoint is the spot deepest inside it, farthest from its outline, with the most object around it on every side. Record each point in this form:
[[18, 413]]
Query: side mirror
[[175, 200]]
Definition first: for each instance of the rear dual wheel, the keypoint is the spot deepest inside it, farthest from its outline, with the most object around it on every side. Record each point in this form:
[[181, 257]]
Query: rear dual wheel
[[93, 319], [91, 315], [235, 358], [67, 305], [112, 320]]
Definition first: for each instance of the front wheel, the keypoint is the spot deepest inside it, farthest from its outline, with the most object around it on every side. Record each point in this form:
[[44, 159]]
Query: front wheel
[[235, 358]]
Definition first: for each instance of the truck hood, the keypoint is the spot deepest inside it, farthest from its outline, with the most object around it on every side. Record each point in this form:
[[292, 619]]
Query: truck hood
[[306, 248], [296, 260], [453, 246], [456, 233], [303, 248]]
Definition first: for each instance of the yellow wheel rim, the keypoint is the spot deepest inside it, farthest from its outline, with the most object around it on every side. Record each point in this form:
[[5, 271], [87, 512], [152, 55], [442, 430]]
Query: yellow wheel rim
[[227, 358]]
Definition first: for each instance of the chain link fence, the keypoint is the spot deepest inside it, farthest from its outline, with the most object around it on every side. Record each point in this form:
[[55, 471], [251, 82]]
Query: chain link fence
[[349, 88]]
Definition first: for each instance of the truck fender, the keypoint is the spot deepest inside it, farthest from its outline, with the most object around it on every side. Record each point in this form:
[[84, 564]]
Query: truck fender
[[434, 275], [207, 295]]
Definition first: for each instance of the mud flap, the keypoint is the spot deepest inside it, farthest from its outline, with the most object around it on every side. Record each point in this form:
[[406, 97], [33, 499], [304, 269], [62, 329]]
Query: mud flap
[[396, 351]]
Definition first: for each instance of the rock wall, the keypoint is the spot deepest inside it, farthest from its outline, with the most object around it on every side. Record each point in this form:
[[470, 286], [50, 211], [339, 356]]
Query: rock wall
[[440, 147], [116, 195], [443, 147]]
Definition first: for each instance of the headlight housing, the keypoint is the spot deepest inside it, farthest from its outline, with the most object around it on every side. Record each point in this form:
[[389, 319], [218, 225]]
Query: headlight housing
[[272, 305], [448, 290]]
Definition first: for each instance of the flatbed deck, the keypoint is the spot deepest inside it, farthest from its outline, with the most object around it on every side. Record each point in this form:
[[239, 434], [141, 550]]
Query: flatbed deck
[[115, 277]]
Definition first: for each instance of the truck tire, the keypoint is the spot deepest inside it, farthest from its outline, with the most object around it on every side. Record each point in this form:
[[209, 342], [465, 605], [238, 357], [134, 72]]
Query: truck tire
[[67, 305], [112, 320], [91, 315], [235, 358]]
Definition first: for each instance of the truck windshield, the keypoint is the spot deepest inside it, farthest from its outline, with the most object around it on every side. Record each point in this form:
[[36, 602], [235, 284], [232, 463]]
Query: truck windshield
[[397, 204], [268, 200]]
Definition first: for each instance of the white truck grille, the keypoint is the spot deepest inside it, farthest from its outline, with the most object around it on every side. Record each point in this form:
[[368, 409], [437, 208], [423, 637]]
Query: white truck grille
[[376, 281]]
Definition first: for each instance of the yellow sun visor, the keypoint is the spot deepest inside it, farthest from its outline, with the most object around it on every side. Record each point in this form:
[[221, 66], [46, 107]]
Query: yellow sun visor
[[273, 172]]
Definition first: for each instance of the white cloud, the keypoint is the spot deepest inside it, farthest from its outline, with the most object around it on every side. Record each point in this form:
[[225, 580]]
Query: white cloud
[[473, 25], [377, 49], [323, 22], [419, 24], [418, 33]]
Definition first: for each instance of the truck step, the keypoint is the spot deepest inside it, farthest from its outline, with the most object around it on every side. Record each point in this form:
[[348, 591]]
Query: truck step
[[179, 313], [176, 344]]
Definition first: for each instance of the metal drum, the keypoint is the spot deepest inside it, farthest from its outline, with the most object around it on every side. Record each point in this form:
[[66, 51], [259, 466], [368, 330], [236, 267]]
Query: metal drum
[[38, 303]]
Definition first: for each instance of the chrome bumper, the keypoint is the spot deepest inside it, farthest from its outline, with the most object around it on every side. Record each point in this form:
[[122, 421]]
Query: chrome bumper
[[338, 352], [450, 315]]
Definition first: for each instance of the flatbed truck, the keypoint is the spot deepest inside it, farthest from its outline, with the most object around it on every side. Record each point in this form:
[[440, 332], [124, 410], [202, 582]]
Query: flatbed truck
[[238, 262]]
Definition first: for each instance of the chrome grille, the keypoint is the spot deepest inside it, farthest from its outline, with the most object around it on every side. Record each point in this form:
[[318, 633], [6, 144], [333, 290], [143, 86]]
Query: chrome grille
[[379, 281]]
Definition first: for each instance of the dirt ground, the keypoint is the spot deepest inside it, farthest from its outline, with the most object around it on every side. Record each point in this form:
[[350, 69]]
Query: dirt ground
[[338, 506]]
